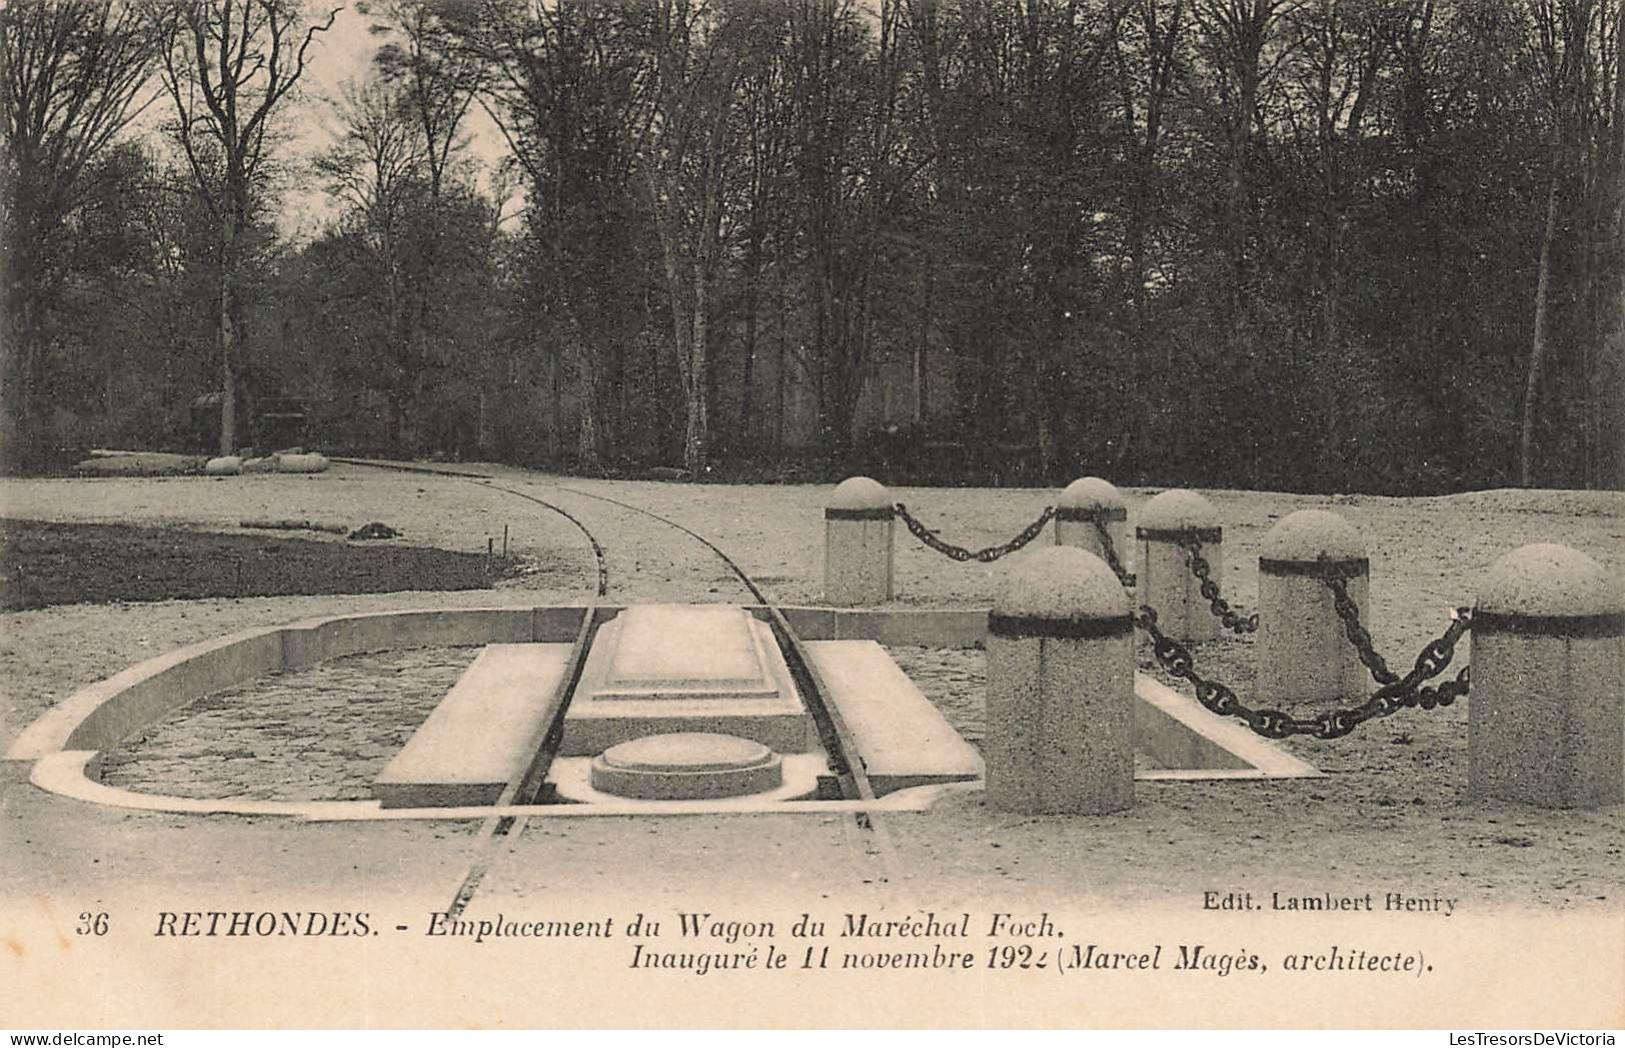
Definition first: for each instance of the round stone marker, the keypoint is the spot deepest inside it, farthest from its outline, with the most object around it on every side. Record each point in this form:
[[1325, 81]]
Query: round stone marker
[[859, 493], [858, 547], [1303, 649], [1178, 510], [1165, 580], [1548, 684], [1060, 687], [1093, 493], [686, 766], [1083, 504]]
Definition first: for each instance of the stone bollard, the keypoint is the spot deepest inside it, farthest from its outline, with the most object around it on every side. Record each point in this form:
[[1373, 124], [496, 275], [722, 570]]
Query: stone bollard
[[858, 523], [1303, 650], [1083, 503], [1165, 581], [1546, 713], [1060, 687]]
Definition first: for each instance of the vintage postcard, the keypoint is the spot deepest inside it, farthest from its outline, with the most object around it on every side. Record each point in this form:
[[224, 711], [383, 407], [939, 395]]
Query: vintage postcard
[[740, 513]]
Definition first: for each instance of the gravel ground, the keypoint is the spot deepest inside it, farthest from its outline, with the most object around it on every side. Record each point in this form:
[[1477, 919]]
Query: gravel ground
[[1391, 811], [954, 681]]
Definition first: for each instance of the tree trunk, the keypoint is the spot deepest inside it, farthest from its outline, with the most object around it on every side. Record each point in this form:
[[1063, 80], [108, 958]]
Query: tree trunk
[[22, 357], [587, 451], [1537, 350], [782, 358], [747, 392], [696, 433], [228, 337], [921, 375], [555, 404]]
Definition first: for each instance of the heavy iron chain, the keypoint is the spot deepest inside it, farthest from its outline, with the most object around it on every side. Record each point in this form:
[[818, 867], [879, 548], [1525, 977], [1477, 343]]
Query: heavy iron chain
[[1228, 617], [988, 555], [1407, 691], [1358, 635], [1124, 576]]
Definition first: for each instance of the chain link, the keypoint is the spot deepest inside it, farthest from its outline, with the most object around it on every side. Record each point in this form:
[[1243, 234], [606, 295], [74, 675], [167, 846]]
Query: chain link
[[986, 556], [1124, 576], [1228, 617], [1358, 635], [1407, 691]]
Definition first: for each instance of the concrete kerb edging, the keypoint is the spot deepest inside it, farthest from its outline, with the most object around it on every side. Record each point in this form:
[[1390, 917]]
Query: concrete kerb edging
[[72, 774], [66, 742]]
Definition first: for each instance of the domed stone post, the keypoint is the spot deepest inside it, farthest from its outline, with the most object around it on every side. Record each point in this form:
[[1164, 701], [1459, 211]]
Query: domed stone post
[[1081, 505], [1060, 687], [1303, 649], [858, 525], [1546, 713], [1165, 580]]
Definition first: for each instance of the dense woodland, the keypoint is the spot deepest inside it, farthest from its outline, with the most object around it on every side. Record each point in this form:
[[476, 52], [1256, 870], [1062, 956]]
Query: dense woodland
[[1318, 245]]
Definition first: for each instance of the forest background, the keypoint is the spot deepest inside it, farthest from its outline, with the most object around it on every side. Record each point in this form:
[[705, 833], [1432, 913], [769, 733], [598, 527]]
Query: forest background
[[1305, 245]]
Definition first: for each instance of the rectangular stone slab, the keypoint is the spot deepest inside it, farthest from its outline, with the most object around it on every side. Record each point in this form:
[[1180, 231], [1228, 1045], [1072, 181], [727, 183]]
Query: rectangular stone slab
[[483, 732], [656, 669], [688, 646], [681, 652], [901, 738]]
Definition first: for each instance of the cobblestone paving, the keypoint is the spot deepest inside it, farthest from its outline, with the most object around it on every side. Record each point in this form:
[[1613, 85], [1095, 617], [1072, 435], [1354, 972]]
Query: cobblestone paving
[[320, 734]]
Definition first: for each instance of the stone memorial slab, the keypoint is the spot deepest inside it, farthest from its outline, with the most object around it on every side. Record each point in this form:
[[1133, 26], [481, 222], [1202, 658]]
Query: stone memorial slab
[[662, 669], [675, 651]]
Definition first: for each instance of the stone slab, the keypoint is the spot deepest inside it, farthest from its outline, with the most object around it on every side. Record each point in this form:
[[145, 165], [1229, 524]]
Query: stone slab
[[482, 733], [659, 669], [1190, 742], [900, 736], [682, 651]]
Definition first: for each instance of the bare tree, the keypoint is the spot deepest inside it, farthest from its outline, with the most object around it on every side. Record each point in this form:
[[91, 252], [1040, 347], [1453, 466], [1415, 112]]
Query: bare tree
[[438, 80], [227, 65], [1145, 52], [1566, 35], [72, 74], [374, 169], [853, 164], [1331, 73], [685, 160], [1237, 38], [568, 94]]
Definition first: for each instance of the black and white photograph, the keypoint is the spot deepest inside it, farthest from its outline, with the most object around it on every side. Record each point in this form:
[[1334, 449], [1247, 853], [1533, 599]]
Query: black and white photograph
[[812, 514]]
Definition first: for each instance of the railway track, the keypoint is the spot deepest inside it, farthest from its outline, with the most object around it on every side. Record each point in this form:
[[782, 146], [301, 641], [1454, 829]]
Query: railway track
[[868, 832]]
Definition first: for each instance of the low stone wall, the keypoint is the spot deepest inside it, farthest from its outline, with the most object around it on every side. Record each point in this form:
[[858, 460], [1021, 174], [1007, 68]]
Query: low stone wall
[[100, 716]]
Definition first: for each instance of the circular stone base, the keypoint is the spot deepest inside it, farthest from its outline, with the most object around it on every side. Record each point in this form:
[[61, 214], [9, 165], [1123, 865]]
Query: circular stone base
[[687, 766]]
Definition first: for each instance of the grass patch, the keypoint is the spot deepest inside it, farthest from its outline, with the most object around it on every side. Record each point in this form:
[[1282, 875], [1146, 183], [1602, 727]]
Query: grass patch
[[43, 564]]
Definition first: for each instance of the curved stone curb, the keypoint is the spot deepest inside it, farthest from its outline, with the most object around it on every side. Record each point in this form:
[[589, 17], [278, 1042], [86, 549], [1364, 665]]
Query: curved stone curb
[[99, 716], [73, 774]]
